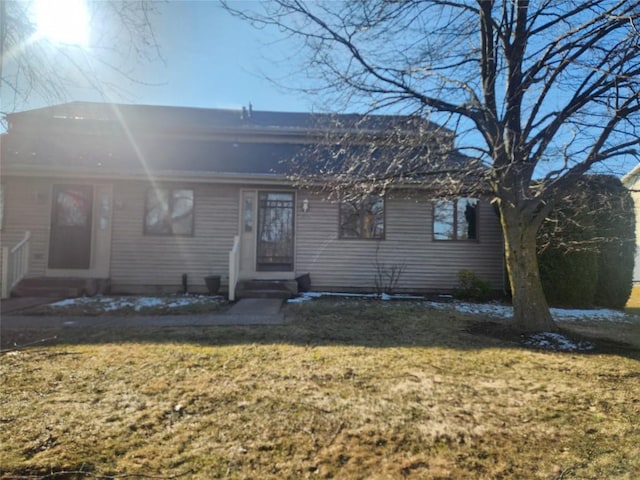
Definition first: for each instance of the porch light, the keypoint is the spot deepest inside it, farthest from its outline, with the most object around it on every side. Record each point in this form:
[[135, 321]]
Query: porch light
[[305, 205]]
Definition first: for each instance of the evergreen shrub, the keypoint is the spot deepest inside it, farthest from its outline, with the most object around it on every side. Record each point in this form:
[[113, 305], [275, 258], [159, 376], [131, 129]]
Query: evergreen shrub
[[617, 229], [586, 247]]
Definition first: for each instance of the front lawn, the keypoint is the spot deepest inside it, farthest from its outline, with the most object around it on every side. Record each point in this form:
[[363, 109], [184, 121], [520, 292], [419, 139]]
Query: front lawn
[[347, 389]]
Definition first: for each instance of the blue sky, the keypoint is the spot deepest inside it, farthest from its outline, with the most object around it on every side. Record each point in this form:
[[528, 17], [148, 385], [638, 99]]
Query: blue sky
[[211, 60], [214, 60]]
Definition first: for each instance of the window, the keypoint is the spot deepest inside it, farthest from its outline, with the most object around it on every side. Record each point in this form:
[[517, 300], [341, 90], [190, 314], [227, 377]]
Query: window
[[248, 214], [455, 220], [1, 205], [362, 218], [169, 212]]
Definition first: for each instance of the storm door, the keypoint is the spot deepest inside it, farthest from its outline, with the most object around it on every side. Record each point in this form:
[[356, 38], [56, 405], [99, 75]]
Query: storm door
[[274, 242], [71, 226]]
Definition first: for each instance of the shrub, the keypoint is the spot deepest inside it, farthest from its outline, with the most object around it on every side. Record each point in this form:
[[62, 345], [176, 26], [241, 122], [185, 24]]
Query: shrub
[[471, 287], [616, 221], [587, 245], [569, 279]]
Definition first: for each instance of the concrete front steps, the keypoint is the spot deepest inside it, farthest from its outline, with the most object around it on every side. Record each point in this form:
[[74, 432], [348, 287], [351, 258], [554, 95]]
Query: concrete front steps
[[282, 289], [59, 287]]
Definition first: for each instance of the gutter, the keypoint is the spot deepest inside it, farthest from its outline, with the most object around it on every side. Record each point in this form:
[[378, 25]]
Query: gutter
[[171, 175]]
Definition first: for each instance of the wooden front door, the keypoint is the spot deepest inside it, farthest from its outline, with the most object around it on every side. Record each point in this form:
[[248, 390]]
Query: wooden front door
[[71, 227]]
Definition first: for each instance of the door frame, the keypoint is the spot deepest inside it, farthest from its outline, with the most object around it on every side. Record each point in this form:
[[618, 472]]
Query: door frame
[[101, 229], [252, 242]]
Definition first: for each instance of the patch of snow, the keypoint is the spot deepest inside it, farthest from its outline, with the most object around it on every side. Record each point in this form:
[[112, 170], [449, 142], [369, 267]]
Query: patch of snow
[[191, 300], [556, 342], [72, 301], [181, 302], [306, 296], [488, 309], [300, 299], [601, 314], [111, 304], [559, 314], [312, 294], [148, 302], [339, 294]]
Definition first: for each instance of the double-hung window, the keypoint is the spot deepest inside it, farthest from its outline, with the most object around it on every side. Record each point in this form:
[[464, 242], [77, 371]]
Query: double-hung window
[[169, 211], [362, 218], [455, 219]]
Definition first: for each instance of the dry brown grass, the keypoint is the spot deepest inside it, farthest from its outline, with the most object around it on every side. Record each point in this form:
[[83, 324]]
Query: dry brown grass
[[362, 390]]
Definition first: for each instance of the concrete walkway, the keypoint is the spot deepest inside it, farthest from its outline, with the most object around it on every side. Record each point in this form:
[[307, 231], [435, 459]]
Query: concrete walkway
[[248, 311]]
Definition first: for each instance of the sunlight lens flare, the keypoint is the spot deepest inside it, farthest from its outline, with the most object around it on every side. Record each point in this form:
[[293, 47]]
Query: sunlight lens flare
[[62, 21]]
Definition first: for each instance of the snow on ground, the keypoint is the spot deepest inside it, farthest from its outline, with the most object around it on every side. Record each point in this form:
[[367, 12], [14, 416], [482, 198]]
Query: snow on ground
[[543, 341], [488, 309], [556, 342], [111, 304], [306, 296], [558, 314]]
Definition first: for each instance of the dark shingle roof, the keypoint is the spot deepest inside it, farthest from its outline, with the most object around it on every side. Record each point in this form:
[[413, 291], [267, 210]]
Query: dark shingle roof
[[131, 138], [152, 154], [187, 119]]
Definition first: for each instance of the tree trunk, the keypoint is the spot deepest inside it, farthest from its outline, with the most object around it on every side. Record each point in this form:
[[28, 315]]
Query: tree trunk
[[530, 308]]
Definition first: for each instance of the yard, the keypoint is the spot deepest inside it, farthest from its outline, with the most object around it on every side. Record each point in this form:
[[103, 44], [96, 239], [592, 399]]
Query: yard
[[346, 389]]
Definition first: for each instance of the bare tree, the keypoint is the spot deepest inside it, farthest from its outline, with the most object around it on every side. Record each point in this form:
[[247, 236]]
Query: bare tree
[[35, 70], [540, 93]]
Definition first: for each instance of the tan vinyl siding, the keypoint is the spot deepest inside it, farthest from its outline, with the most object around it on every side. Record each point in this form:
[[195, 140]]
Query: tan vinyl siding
[[635, 194], [428, 265], [139, 259], [27, 207]]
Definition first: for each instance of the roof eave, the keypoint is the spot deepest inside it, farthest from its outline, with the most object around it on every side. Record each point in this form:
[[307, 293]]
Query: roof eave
[[164, 175], [631, 178]]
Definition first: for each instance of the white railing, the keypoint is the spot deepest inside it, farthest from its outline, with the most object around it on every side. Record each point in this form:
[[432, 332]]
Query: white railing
[[15, 264], [234, 267]]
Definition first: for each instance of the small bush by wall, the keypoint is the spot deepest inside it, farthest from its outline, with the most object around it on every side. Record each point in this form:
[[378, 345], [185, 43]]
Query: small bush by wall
[[472, 287]]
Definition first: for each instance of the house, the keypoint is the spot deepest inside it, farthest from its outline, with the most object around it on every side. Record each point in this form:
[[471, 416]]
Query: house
[[632, 181], [139, 196]]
